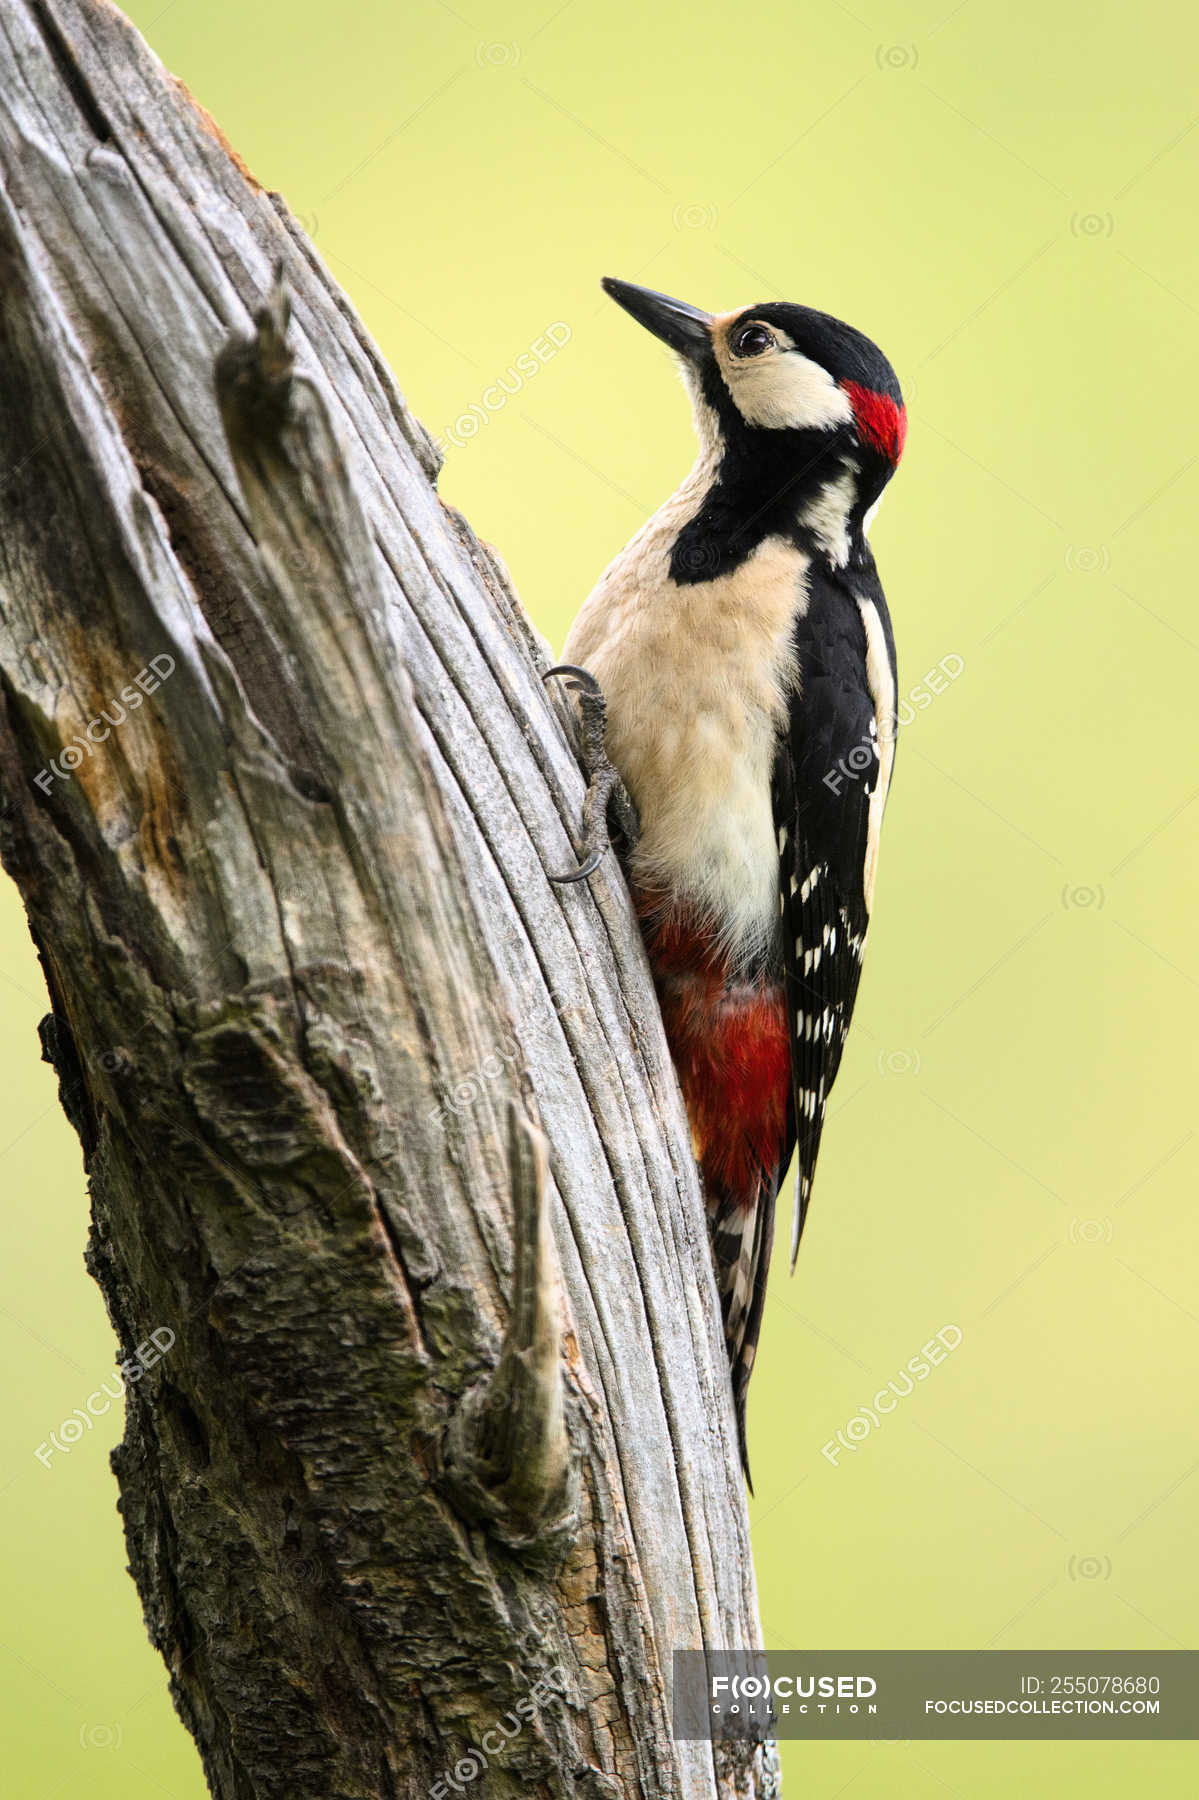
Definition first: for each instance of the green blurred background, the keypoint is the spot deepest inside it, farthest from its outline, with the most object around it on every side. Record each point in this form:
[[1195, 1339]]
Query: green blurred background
[[1003, 198]]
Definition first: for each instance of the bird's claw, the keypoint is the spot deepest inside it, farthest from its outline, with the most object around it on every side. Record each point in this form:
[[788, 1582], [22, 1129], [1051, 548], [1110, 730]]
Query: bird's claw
[[585, 870], [602, 777], [583, 682]]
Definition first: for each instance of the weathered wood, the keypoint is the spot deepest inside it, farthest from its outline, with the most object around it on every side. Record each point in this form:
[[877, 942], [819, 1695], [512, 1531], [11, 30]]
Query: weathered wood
[[290, 896]]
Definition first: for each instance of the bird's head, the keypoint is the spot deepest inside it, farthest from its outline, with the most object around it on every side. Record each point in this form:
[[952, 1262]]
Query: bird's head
[[784, 395]]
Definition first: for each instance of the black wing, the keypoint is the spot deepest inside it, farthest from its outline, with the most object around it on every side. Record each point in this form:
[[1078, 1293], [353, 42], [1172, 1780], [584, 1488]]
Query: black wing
[[832, 767]]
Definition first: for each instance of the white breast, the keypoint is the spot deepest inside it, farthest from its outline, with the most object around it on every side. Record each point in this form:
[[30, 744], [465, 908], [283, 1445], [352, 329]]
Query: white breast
[[696, 679]]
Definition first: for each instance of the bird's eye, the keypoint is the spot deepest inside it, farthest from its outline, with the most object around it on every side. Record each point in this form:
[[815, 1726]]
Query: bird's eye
[[752, 340]]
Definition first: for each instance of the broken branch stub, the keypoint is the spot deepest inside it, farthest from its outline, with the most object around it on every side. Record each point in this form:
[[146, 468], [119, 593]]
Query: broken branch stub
[[508, 1458]]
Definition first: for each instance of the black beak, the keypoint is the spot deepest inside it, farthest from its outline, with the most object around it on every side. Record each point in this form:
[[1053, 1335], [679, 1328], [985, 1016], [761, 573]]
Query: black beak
[[683, 327]]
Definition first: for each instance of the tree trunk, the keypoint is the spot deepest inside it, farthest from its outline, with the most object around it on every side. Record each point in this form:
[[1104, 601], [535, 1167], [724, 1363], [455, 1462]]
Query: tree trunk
[[429, 1463]]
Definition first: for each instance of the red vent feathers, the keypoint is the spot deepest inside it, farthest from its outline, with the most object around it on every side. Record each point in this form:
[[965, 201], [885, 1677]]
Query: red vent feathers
[[879, 420], [730, 1045]]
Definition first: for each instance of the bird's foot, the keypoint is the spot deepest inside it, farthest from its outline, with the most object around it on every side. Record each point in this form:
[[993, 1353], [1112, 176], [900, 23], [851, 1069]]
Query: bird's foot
[[605, 790]]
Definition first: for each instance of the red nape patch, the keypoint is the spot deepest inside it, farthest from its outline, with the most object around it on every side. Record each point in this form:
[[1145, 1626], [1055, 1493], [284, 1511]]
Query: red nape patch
[[879, 420], [730, 1045]]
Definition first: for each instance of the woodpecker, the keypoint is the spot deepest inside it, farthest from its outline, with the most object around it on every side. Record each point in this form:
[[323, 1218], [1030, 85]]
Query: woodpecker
[[739, 657]]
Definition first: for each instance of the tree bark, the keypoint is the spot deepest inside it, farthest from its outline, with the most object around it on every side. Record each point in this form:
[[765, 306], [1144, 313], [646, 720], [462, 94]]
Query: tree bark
[[440, 1465]]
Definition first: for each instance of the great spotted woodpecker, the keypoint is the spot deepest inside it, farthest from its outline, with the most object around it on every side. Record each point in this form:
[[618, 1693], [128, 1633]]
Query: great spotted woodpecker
[[743, 652]]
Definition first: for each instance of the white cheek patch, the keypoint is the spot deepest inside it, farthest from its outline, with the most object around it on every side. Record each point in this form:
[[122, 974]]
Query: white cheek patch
[[783, 390], [787, 391]]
